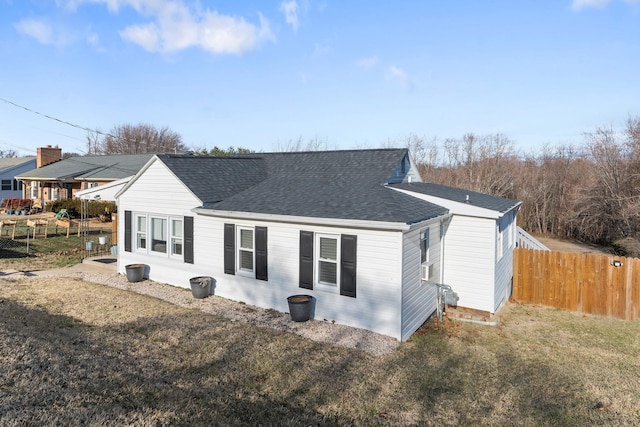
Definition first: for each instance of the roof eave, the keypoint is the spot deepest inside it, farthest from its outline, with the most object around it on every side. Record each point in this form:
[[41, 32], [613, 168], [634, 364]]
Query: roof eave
[[332, 222]]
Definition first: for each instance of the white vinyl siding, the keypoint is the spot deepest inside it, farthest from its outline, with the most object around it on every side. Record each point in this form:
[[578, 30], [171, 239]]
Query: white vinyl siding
[[157, 190], [469, 260], [504, 266], [418, 297]]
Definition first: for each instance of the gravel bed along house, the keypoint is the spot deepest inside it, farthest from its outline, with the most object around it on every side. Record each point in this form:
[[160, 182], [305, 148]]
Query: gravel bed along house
[[316, 330]]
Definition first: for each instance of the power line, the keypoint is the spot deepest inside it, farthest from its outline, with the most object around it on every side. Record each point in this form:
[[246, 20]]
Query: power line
[[56, 119]]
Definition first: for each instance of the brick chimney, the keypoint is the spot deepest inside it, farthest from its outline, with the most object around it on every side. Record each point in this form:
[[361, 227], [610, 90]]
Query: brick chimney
[[47, 155]]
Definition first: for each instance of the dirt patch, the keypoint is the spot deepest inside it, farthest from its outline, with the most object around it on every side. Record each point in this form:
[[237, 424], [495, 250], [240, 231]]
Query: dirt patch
[[572, 246]]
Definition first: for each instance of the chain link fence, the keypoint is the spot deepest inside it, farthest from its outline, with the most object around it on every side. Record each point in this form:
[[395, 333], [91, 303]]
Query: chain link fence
[[18, 240]]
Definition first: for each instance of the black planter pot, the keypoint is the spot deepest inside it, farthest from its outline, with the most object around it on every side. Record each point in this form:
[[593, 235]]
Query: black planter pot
[[135, 272], [300, 307], [200, 286]]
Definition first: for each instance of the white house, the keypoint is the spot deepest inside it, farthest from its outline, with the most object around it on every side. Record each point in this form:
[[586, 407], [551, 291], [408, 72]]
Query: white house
[[478, 243], [10, 187], [267, 226]]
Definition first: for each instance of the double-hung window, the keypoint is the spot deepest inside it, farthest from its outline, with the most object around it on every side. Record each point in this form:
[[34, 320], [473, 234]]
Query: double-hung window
[[141, 232], [158, 234], [328, 262], [245, 250], [6, 185], [176, 237], [328, 254]]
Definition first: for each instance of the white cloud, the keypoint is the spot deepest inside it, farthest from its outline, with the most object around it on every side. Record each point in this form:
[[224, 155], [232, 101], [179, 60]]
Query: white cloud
[[290, 9], [580, 4], [399, 75], [45, 32], [38, 29], [367, 63], [174, 26]]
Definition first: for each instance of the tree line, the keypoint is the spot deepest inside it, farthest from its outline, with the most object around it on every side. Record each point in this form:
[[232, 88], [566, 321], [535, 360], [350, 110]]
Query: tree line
[[589, 192]]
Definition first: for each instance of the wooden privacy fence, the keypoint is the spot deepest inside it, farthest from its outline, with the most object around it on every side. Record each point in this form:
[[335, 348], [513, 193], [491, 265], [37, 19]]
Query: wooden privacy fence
[[596, 284]]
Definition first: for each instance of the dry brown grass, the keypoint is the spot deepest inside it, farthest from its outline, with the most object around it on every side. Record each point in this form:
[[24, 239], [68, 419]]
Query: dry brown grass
[[75, 353]]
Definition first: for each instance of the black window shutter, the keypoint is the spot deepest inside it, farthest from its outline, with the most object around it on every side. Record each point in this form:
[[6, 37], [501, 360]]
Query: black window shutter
[[229, 249], [348, 265], [127, 231], [261, 253], [306, 259], [188, 239]]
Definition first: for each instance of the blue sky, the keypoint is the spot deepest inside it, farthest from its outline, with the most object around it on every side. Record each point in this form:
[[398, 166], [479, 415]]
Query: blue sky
[[355, 74]]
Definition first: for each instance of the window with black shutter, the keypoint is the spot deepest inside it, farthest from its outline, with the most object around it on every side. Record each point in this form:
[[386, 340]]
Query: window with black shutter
[[229, 249], [306, 260], [127, 231], [188, 239], [261, 253], [348, 265]]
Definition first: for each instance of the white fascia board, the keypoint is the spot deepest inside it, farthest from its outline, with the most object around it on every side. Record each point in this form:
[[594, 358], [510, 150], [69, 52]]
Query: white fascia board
[[105, 187], [330, 222], [457, 208]]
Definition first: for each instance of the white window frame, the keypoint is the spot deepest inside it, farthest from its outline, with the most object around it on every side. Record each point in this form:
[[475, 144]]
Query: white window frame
[[168, 231], [499, 243], [428, 265], [55, 193], [240, 249], [34, 189], [174, 239], [317, 260], [141, 233], [164, 230]]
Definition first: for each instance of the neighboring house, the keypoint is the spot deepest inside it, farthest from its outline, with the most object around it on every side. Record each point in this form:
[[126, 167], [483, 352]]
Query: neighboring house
[[478, 243], [106, 191], [330, 224], [57, 178], [10, 187]]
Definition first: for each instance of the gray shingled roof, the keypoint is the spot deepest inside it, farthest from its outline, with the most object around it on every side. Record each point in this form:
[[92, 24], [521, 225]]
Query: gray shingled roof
[[329, 184], [103, 168], [499, 204], [213, 179], [8, 163]]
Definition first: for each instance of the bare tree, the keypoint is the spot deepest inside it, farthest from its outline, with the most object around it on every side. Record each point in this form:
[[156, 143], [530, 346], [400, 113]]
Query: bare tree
[[8, 153], [136, 139], [299, 144]]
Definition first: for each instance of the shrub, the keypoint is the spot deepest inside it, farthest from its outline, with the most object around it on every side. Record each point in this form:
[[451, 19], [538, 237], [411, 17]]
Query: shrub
[[74, 207], [628, 247]]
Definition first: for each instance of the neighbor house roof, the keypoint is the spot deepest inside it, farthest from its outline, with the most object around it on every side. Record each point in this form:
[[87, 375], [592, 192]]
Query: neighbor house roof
[[92, 168], [323, 184], [473, 198], [9, 163]]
